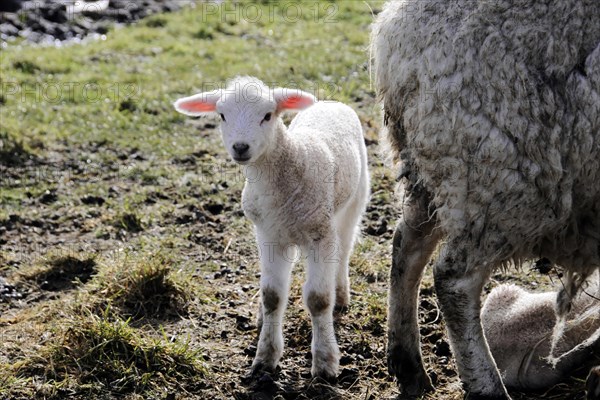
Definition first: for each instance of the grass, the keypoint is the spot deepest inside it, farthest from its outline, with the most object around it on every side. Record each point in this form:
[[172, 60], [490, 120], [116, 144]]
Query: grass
[[102, 355], [148, 287], [127, 85], [121, 224]]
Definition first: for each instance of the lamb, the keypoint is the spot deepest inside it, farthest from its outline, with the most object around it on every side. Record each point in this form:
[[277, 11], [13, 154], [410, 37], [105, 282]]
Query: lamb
[[492, 111], [306, 187], [519, 328]]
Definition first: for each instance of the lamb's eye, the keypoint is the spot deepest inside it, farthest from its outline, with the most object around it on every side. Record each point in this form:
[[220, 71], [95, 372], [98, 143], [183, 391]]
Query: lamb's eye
[[267, 117], [222, 117]]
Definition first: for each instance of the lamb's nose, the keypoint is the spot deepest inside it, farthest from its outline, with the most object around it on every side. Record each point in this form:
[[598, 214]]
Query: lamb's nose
[[240, 148]]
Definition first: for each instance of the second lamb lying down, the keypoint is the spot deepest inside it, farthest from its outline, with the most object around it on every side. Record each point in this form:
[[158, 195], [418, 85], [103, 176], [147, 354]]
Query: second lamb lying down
[[306, 186], [519, 327]]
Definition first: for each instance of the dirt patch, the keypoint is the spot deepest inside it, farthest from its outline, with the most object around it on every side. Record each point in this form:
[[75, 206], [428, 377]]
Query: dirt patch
[[200, 224], [65, 273]]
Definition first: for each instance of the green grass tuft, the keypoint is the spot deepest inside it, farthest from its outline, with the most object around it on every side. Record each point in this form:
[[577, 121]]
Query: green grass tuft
[[129, 222], [94, 354]]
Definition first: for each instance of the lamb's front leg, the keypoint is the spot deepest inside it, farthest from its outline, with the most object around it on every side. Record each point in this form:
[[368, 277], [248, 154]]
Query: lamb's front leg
[[458, 286], [274, 288], [319, 297]]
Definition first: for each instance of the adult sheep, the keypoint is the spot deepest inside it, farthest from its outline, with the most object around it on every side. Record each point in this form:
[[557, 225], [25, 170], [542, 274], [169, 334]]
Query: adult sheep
[[492, 108]]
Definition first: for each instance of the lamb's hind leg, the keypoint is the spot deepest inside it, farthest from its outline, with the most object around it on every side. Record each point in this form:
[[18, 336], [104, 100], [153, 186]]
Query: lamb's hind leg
[[458, 286], [348, 229], [347, 233], [414, 241]]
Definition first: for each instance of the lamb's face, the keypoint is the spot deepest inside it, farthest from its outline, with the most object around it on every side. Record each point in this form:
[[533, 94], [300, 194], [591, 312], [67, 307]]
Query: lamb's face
[[249, 113], [247, 123]]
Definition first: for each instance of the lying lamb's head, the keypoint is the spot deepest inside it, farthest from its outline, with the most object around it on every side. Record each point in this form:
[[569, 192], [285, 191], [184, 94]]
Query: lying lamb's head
[[249, 112]]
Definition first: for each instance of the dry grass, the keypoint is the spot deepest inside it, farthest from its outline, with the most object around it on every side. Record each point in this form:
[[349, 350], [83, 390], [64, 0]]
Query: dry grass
[[92, 355], [144, 287]]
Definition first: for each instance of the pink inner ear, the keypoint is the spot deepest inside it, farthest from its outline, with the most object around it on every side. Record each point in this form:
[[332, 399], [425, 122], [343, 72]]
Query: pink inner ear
[[198, 106], [295, 103]]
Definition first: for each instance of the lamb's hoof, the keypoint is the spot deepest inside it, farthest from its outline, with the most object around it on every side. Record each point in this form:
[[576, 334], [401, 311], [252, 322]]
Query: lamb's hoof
[[261, 381], [412, 379], [257, 371], [592, 384], [414, 387], [325, 367], [327, 377]]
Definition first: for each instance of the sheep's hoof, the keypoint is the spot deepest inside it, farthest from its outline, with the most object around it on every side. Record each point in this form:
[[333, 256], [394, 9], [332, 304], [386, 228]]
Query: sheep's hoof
[[592, 384], [410, 374], [342, 300], [328, 377], [325, 366]]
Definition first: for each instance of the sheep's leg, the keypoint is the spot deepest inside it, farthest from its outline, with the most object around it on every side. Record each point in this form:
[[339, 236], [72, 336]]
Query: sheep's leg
[[414, 241], [458, 287], [319, 297], [342, 286], [274, 286], [347, 231]]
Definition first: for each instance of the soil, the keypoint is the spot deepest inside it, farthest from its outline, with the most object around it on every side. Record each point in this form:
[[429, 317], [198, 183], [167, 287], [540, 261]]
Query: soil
[[56, 221], [223, 328]]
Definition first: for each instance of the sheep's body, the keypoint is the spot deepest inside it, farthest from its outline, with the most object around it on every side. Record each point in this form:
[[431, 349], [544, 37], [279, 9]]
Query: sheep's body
[[315, 190], [492, 108], [518, 327], [318, 168], [307, 188]]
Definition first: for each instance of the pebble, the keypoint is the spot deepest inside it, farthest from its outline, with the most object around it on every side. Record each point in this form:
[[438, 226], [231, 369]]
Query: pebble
[[49, 21]]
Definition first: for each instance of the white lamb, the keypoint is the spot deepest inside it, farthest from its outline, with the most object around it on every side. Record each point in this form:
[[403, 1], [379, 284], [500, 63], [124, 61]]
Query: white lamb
[[519, 327], [493, 110], [306, 186]]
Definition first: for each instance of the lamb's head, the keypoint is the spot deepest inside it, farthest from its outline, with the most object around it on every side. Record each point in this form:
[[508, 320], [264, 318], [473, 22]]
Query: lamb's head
[[250, 114]]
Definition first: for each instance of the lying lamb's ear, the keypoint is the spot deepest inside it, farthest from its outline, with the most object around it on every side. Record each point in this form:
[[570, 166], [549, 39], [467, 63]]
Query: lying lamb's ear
[[292, 99], [198, 104]]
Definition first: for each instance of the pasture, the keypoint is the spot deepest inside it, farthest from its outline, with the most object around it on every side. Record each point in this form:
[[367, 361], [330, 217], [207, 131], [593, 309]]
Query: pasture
[[127, 267]]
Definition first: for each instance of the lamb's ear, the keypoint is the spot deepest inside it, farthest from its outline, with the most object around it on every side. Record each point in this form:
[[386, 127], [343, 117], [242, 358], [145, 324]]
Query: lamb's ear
[[292, 99], [198, 104]]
